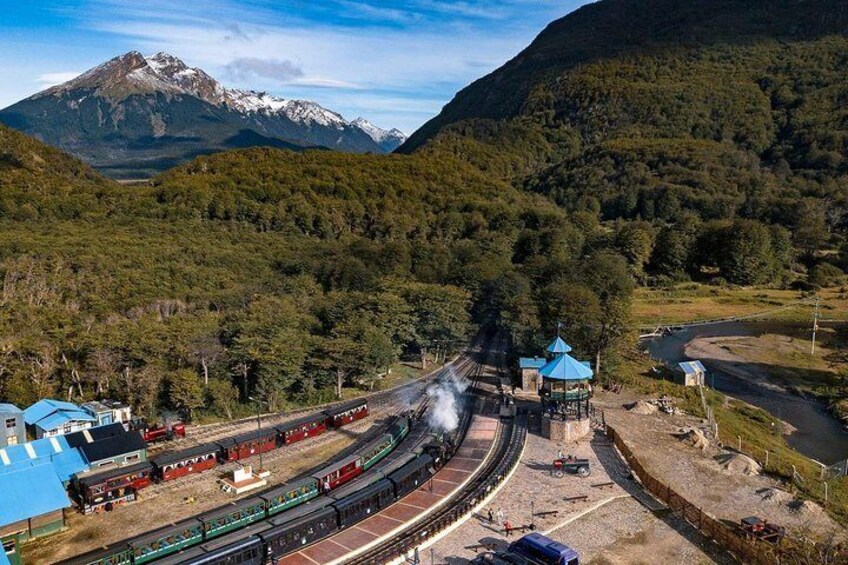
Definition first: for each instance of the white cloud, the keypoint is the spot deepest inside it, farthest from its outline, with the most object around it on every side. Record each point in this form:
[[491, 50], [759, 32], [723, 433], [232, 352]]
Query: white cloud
[[47, 80]]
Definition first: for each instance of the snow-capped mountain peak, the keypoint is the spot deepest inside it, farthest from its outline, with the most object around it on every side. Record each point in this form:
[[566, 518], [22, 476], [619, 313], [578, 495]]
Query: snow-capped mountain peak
[[135, 97], [378, 134]]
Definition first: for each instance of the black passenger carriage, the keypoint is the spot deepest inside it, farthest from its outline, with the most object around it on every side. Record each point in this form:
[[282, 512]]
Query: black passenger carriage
[[412, 475], [295, 532], [243, 547], [394, 462], [366, 502]]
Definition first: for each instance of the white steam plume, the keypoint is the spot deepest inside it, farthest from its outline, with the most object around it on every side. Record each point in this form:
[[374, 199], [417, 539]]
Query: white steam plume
[[443, 415]]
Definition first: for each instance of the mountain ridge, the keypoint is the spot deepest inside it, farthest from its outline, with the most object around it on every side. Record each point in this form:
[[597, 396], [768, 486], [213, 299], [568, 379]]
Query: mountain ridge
[[134, 116]]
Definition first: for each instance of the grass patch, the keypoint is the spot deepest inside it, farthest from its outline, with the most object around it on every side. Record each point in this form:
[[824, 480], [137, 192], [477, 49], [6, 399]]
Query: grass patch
[[692, 302], [757, 428]]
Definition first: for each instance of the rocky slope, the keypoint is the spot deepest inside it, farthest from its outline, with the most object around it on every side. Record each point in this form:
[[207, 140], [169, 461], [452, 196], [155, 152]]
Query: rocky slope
[[133, 116]]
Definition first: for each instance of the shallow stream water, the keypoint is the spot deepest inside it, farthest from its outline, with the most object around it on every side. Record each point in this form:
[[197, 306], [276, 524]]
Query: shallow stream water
[[817, 434]]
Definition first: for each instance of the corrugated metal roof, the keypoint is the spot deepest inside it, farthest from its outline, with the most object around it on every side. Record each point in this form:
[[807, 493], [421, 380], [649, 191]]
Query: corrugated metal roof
[[566, 368], [60, 418], [66, 460], [10, 408], [532, 362], [4, 560], [30, 492], [44, 408], [692, 367]]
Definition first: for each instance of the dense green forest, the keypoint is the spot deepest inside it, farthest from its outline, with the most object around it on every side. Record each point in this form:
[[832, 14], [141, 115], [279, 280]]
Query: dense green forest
[[690, 119], [264, 273], [633, 143]]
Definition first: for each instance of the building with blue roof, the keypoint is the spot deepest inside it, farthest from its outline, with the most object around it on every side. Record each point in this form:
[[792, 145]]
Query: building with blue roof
[[529, 367], [32, 504], [50, 418], [12, 426], [558, 347], [55, 451], [690, 373]]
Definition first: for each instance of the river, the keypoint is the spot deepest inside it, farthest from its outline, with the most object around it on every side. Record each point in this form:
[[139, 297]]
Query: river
[[817, 434]]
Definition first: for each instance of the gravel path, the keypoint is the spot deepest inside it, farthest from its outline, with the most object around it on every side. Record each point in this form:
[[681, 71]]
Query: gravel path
[[698, 476], [602, 535]]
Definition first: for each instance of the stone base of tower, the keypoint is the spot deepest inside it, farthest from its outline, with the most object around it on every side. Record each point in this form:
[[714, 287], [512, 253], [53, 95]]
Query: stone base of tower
[[565, 431]]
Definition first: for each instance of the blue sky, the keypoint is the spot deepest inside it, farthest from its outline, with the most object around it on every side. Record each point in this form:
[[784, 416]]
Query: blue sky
[[395, 63]]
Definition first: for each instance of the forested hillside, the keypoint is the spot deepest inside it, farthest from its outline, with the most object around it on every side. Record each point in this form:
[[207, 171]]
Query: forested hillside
[[679, 114], [261, 272]]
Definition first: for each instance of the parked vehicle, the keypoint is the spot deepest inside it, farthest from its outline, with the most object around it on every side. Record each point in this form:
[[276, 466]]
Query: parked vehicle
[[571, 465]]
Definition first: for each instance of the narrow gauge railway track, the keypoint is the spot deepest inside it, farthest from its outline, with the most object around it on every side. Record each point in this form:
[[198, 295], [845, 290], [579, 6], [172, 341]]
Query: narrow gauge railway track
[[376, 400], [509, 445]]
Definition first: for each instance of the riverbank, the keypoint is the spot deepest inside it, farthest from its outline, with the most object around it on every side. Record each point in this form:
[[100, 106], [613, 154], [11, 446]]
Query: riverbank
[[739, 421], [768, 365]]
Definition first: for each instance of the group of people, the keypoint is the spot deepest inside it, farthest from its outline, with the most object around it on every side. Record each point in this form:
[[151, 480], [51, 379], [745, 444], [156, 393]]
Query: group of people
[[502, 523]]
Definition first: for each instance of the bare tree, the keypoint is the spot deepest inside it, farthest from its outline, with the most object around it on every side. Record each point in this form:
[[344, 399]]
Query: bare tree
[[42, 365], [206, 350], [101, 365]]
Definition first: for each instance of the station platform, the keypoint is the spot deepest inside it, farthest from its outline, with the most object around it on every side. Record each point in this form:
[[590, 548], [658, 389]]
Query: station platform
[[390, 521]]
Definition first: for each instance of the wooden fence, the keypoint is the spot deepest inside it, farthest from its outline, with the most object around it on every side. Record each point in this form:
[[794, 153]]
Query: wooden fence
[[726, 536]]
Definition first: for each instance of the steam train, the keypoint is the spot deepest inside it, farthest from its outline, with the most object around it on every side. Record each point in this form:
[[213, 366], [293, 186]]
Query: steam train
[[96, 491], [289, 516]]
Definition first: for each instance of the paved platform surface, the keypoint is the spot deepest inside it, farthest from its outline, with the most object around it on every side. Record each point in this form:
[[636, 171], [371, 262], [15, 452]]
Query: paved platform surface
[[391, 520]]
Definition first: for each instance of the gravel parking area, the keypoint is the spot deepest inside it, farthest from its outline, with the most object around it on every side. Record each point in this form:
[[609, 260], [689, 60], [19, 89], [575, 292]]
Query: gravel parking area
[[698, 476], [604, 518]]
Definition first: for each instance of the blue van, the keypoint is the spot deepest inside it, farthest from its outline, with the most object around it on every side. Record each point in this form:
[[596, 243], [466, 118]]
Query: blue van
[[543, 550]]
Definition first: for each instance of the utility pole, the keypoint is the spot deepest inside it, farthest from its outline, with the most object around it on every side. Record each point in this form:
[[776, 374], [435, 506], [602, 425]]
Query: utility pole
[[815, 327], [258, 433]]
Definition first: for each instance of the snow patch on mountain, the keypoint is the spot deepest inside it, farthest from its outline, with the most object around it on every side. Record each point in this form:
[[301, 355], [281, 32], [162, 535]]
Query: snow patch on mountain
[[379, 135], [133, 73]]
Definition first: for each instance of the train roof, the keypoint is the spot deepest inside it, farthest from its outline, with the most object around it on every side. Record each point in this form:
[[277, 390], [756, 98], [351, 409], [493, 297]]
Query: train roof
[[232, 507], [211, 551], [355, 486], [344, 407], [288, 520], [354, 497], [286, 426], [320, 474], [288, 487], [96, 555], [246, 437], [390, 466], [188, 453], [307, 508], [416, 463], [97, 478], [154, 535]]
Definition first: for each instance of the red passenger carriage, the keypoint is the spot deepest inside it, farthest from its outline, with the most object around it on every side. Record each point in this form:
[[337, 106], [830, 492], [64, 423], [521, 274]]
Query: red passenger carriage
[[346, 413], [188, 461], [104, 490], [249, 444], [339, 473], [302, 428]]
